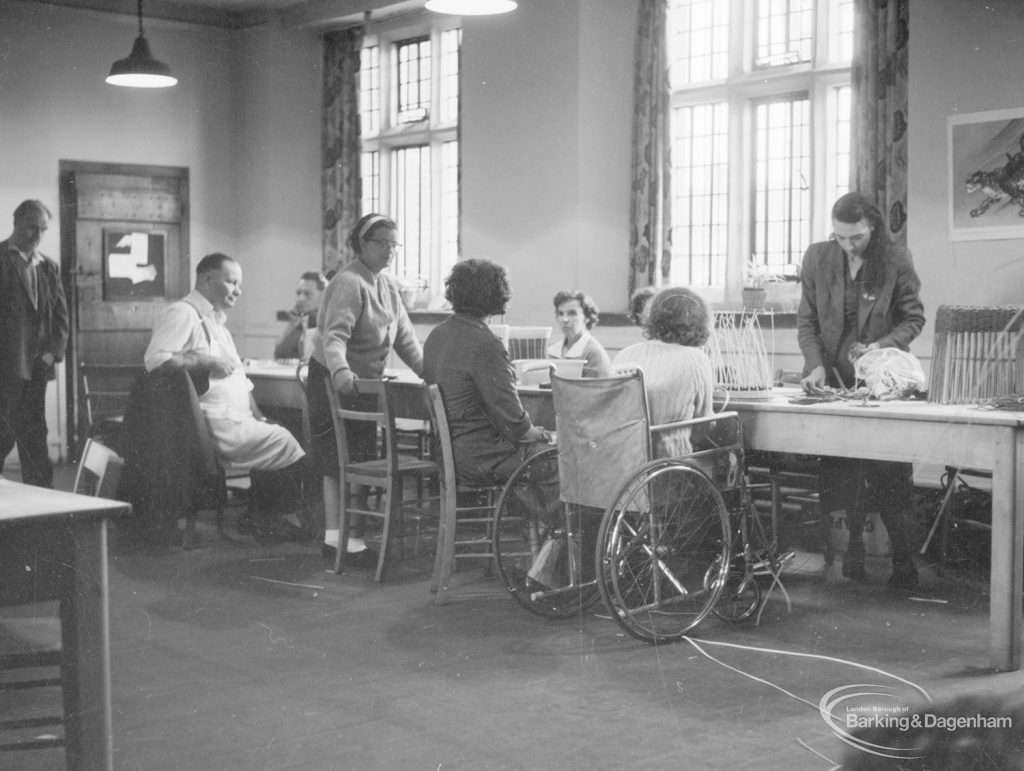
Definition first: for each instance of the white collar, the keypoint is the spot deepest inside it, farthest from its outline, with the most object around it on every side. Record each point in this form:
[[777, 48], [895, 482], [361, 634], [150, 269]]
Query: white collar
[[574, 352]]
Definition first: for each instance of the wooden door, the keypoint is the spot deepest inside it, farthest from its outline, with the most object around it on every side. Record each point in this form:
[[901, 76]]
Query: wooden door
[[124, 257]]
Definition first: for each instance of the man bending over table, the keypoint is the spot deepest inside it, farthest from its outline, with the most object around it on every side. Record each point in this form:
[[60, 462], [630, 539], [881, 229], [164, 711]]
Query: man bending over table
[[191, 335]]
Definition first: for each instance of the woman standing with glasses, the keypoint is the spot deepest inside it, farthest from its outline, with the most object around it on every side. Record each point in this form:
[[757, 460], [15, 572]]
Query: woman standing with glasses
[[361, 319]]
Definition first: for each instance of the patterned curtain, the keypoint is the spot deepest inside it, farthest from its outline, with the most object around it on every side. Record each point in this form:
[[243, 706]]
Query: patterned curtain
[[340, 176], [650, 239], [879, 130]]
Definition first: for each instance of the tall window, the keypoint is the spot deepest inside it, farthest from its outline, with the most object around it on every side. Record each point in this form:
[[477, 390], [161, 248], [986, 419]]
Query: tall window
[[760, 133], [409, 105]]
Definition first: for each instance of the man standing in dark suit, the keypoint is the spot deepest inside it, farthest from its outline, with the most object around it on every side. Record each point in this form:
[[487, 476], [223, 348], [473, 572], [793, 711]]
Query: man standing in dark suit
[[33, 335]]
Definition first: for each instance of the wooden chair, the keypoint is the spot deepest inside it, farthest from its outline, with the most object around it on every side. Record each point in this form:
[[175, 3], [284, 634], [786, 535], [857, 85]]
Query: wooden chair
[[476, 519], [105, 392], [99, 470], [98, 473], [949, 519], [387, 473]]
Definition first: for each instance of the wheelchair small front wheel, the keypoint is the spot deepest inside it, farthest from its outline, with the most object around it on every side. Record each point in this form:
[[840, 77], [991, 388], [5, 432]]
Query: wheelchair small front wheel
[[741, 595], [663, 551], [544, 546]]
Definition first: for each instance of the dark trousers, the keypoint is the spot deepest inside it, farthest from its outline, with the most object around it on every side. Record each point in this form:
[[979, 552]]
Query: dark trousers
[[23, 423], [278, 492], [860, 486]]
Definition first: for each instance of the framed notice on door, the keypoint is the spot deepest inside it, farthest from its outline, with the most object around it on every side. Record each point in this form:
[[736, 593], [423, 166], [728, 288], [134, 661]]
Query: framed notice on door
[[133, 264]]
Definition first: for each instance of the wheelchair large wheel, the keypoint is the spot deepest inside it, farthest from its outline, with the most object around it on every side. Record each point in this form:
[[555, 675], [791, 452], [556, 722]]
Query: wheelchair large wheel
[[663, 551], [543, 546]]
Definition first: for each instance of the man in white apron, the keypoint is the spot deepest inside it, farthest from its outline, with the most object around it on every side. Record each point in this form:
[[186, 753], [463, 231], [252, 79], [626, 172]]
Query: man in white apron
[[190, 334]]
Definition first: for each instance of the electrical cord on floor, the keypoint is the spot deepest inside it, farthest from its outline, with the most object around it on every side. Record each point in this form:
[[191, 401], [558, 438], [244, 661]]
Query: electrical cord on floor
[[819, 708]]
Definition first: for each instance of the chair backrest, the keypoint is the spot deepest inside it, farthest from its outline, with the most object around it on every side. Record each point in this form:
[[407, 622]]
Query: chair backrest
[[604, 434], [375, 412], [99, 470], [442, 438], [977, 353], [528, 342], [106, 388], [302, 378]]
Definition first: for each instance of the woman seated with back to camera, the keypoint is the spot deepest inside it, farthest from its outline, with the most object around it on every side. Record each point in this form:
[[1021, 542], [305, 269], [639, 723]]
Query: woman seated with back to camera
[[576, 314], [677, 373], [463, 357]]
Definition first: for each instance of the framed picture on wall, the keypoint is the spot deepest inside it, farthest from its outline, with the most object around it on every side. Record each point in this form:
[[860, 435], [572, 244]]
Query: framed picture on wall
[[986, 175], [133, 264]]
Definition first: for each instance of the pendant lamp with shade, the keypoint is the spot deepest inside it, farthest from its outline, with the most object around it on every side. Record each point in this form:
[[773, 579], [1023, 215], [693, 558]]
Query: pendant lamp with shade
[[140, 69], [472, 7]]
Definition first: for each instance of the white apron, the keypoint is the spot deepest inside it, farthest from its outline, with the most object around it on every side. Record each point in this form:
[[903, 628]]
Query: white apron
[[242, 442]]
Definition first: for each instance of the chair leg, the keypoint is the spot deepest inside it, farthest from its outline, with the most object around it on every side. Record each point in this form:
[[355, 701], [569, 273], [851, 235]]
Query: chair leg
[[442, 535], [940, 525], [388, 502], [344, 497], [446, 553]]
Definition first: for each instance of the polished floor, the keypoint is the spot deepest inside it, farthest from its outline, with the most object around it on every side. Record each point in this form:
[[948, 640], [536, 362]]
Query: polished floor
[[241, 656]]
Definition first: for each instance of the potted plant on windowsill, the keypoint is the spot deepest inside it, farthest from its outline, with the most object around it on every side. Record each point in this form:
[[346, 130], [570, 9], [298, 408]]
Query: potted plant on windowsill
[[756, 276]]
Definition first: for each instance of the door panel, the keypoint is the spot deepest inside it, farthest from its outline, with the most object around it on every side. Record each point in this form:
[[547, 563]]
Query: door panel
[[124, 255]]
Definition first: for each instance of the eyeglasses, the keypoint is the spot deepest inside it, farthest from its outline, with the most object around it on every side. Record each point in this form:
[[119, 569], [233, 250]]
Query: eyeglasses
[[390, 245]]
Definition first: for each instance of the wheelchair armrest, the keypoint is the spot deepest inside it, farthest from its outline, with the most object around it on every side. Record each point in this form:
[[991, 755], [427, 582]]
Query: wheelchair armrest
[[695, 421], [722, 429]]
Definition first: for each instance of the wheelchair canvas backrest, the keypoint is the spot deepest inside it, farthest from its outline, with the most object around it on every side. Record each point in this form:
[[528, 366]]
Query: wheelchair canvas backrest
[[603, 430]]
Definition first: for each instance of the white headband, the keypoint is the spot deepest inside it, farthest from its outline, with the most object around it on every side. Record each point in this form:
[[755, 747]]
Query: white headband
[[369, 224]]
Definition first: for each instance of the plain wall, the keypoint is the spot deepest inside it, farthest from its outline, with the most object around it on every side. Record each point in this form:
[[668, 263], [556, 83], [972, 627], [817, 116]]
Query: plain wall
[[546, 121], [973, 70]]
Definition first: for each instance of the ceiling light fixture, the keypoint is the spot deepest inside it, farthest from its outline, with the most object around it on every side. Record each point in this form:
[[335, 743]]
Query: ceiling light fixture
[[140, 69], [472, 7]]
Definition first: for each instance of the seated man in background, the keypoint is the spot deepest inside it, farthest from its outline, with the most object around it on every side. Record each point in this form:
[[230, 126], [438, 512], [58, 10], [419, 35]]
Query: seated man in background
[[190, 335], [299, 336]]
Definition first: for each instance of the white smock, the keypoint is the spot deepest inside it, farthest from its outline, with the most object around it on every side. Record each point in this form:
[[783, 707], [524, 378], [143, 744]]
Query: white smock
[[240, 440]]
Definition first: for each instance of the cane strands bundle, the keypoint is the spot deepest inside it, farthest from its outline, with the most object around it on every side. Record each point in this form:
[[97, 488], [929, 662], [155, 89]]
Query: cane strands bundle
[[977, 354], [739, 358]]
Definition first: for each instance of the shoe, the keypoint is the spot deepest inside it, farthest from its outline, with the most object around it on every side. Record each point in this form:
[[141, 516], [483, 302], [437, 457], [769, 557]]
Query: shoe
[[904, 577], [367, 558]]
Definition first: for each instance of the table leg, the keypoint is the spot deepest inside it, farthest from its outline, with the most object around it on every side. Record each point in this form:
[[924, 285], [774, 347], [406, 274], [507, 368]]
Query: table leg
[[86, 646], [1007, 588]]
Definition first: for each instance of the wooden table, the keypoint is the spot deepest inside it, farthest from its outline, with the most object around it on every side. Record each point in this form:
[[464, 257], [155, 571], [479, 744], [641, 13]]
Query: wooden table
[[275, 388], [955, 435], [274, 385], [53, 546]]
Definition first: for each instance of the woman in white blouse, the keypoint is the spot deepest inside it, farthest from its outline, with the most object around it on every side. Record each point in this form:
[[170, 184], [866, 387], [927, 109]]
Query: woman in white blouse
[[576, 314]]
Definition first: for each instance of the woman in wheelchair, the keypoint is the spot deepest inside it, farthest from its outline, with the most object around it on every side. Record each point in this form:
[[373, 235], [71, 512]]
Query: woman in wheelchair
[[643, 502], [490, 429], [677, 372]]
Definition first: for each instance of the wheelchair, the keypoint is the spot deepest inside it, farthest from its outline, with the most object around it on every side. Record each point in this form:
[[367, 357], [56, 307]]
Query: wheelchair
[[663, 541]]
